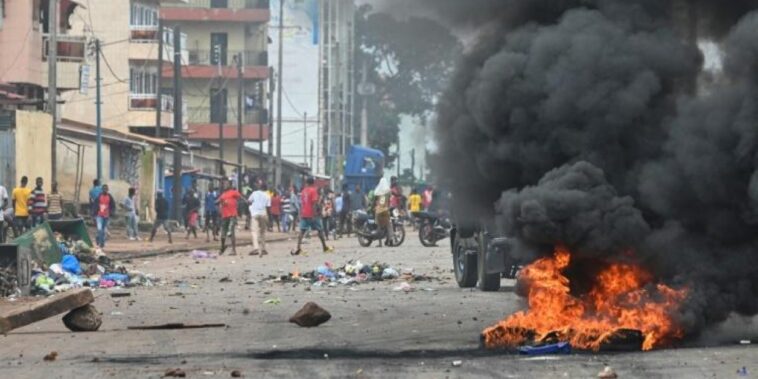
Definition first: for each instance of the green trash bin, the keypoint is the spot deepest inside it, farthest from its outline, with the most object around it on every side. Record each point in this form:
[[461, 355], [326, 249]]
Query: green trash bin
[[41, 240]]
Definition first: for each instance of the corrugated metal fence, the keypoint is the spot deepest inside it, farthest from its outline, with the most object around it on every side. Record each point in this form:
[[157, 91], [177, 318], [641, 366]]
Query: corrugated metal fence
[[7, 150]]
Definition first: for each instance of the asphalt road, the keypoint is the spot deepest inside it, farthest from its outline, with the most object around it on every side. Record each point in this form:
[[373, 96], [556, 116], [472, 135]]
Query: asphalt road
[[375, 331]]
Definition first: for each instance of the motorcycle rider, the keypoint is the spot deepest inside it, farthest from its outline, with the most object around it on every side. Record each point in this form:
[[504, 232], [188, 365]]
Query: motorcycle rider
[[382, 194]]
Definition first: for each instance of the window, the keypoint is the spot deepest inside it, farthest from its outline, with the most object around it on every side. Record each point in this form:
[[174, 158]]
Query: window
[[143, 80], [143, 15], [219, 3]]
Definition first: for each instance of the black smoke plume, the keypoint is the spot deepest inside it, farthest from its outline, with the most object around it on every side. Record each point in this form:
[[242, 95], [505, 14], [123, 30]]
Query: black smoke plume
[[585, 124]]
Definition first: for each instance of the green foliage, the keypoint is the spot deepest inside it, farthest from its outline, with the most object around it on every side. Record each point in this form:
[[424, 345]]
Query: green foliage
[[410, 62]]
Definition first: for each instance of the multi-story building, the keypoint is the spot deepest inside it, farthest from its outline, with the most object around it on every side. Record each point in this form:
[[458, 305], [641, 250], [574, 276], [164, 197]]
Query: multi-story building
[[218, 32], [25, 131], [336, 81]]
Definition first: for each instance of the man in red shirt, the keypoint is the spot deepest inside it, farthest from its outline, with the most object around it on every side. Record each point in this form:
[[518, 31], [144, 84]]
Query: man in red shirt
[[105, 208], [308, 217], [228, 205]]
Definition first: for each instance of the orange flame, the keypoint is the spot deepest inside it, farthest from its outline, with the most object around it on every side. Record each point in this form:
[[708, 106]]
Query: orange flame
[[622, 298]]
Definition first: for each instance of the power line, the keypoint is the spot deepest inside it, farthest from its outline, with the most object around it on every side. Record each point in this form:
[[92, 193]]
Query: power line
[[18, 55]]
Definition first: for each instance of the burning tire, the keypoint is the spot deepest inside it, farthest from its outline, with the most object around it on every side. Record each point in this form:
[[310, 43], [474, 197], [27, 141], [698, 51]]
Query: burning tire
[[465, 265]]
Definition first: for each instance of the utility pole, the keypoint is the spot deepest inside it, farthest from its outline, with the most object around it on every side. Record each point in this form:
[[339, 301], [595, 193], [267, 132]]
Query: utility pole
[[240, 139], [177, 190], [159, 101], [278, 175], [413, 161], [398, 158], [305, 138], [98, 112], [52, 82], [219, 110], [261, 112], [364, 111], [271, 89], [312, 172]]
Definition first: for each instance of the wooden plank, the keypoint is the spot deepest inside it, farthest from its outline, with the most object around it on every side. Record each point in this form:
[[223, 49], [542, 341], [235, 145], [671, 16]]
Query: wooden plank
[[29, 313]]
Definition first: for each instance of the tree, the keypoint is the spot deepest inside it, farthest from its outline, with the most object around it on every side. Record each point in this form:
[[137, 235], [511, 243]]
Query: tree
[[410, 62]]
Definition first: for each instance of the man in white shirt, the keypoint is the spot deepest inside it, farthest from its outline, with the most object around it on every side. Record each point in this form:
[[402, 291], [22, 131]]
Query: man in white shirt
[[260, 203]]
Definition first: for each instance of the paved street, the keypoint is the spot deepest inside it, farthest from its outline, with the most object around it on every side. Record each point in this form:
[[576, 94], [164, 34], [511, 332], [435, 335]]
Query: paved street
[[374, 332]]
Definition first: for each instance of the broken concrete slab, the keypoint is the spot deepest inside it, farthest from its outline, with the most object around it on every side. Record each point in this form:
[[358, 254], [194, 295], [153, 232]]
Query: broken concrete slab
[[310, 315], [84, 319], [16, 316]]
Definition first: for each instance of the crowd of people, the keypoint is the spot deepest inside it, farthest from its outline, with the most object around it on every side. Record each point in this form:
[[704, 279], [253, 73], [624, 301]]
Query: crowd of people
[[219, 211]]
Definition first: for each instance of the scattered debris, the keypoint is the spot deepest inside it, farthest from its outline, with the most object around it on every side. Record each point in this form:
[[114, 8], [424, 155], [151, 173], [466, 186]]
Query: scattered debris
[[121, 294], [177, 325], [273, 301], [607, 373], [405, 287], [84, 319], [175, 373], [457, 363], [310, 315], [742, 371], [53, 355], [555, 348], [201, 254], [745, 342], [351, 273], [225, 279], [236, 374]]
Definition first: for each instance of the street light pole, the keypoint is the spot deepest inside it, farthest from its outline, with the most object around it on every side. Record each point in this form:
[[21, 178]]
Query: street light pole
[[98, 112]]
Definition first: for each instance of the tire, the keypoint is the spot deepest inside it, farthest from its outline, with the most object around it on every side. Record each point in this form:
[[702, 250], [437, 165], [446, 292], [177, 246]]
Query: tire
[[426, 230], [399, 235], [464, 266], [364, 241], [486, 282]]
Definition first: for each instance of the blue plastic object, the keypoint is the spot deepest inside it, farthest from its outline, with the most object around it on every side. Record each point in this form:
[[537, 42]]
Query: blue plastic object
[[556, 348], [325, 271], [71, 264], [116, 277]]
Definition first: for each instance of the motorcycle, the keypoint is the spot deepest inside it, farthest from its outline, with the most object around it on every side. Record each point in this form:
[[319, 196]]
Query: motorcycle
[[368, 231], [432, 228]]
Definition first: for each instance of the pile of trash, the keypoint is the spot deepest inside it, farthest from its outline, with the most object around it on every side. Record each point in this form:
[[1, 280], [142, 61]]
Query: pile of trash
[[8, 281], [350, 273], [83, 266]]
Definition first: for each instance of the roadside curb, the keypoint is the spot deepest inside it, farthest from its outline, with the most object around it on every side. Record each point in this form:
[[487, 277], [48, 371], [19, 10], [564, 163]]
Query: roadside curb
[[120, 256]]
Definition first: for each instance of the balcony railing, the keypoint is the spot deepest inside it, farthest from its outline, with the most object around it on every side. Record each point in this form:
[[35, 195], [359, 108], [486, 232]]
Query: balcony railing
[[148, 101], [70, 48], [225, 4], [202, 115], [207, 57]]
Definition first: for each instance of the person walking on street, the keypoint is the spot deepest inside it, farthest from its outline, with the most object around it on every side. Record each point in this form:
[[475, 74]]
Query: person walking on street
[[229, 204], [309, 217], [130, 207], [260, 203], [296, 205], [327, 211], [161, 216], [94, 193], [54, 203], [105, 209], [4, 201], [286, 206], [211, 215], [20, 198], [276, 212], [193, 213], [37, 203], [344, 213]]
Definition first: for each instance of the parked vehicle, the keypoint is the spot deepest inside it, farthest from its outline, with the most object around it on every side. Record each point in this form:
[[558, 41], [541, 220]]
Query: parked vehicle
[[432, 228], [367, 230], [481, 258]]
